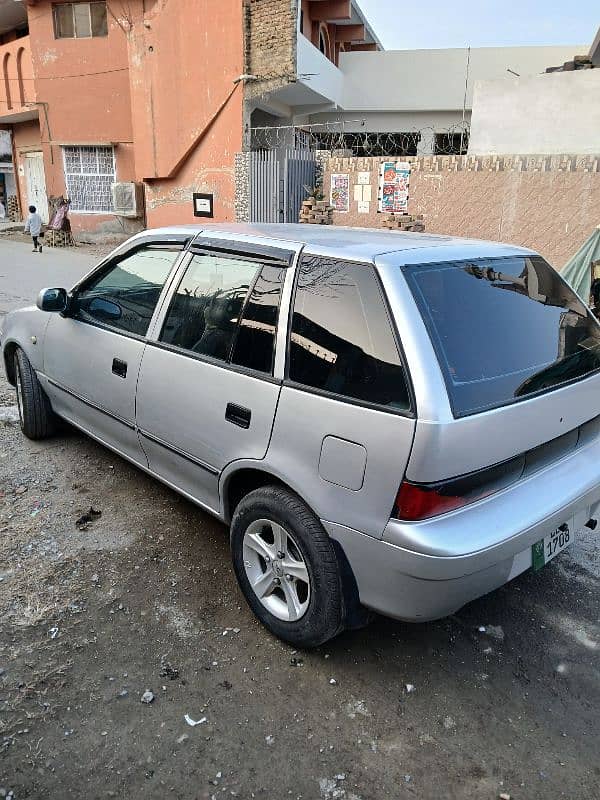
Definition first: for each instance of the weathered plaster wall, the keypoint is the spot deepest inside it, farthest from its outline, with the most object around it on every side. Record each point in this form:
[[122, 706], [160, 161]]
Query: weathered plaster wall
[[187, 111], [82, 88], [550, 204]]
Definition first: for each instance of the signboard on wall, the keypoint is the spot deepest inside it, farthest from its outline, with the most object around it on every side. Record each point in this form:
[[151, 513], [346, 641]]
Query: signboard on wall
[[394, 180], [340, 192], [203, 205]]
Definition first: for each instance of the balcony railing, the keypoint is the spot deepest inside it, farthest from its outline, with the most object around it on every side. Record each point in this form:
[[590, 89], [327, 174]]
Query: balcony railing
[[17, 91]]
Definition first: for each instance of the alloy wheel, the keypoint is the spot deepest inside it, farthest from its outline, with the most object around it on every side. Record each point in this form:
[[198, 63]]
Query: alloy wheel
[[276, 570]]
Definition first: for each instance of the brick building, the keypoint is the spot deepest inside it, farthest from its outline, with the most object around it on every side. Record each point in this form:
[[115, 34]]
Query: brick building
[[152, 93]]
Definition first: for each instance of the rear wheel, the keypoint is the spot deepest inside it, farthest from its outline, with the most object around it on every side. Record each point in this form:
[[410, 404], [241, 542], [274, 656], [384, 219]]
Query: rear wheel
[[35, 413], [287, 567]]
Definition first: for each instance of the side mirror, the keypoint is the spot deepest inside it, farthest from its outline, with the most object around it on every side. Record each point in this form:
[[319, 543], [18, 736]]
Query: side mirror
[[52, 300]]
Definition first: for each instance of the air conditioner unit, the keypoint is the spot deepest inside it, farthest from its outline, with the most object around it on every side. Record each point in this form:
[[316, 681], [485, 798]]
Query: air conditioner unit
[[128, 199]]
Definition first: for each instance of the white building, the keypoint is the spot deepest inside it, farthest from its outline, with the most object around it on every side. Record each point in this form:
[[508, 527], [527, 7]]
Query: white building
[[349, 84], [548, 114]]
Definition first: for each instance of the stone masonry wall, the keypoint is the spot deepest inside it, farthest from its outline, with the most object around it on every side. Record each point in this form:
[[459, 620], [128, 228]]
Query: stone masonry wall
[[242, 187], [548, 203], [270, 44]]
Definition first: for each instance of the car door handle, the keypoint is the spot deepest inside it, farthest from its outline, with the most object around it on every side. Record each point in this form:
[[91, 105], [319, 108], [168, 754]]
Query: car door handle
[[238, 415], [119, 368]]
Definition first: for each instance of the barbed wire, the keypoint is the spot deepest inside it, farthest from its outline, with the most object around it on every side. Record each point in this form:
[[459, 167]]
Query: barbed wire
[[346, 136]]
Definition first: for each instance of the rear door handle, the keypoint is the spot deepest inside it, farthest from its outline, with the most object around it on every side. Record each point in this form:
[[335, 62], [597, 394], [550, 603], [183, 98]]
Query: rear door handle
[[238, 415], [119, 368]]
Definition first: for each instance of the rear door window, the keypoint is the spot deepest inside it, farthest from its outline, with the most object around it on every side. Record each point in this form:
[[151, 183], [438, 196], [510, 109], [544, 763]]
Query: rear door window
[[341, 337], [503, 329], [226, 308]]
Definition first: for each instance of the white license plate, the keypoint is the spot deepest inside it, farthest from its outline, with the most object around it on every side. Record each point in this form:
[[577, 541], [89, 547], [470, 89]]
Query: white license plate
[[551, 545]]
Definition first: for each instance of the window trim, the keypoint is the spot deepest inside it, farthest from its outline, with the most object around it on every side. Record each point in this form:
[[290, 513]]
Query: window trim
[[88, 3], [257, 253], [215, 362], [408, 413], [91, 175]]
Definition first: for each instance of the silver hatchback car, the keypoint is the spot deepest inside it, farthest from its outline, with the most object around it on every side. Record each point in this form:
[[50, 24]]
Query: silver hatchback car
[[388, 422]]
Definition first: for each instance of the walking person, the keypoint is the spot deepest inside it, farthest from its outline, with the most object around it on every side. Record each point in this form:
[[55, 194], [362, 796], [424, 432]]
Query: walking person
[[33, 226]]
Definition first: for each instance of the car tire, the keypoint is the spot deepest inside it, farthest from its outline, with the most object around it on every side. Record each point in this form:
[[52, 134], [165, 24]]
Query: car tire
[[36, 417], [309, 553]]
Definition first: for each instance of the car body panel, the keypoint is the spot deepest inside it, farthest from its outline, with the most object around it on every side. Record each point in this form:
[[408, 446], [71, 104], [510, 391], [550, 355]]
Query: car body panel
[[190, 418], [305, 419]]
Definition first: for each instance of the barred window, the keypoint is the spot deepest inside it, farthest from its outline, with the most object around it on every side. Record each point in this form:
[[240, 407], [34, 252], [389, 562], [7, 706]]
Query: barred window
[[89, 175], [80, 20]]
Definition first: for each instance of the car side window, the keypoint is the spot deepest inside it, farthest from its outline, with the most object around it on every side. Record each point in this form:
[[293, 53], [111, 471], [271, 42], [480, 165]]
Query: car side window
[[226, 308], [254, 345], [341, 337], [125, 295]]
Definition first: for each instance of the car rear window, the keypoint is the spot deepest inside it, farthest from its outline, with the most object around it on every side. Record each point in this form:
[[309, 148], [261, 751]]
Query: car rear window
[[503, 329]]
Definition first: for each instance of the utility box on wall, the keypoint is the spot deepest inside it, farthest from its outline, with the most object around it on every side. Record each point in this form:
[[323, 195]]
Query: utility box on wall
[[128, 199]]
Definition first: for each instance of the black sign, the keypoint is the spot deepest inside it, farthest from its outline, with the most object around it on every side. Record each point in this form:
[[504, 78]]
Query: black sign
[[203, 205]]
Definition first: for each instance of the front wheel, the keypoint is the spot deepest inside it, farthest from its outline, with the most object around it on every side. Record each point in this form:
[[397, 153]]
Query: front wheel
[[287, 567], [36, 417]]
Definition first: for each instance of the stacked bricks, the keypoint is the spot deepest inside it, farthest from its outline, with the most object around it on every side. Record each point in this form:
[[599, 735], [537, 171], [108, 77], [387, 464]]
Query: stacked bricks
[[316, 212], [58, 238], [12, 208], [403, 222]]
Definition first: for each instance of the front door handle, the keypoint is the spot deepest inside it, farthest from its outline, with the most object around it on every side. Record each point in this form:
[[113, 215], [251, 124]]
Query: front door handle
[[119, 368], [238, 415]]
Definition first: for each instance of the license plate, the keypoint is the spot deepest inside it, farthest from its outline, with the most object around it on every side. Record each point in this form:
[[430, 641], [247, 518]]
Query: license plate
[[544, 551]]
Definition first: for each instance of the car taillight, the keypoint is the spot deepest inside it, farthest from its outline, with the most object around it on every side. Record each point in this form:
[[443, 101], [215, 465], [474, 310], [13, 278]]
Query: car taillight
[[416, 501]]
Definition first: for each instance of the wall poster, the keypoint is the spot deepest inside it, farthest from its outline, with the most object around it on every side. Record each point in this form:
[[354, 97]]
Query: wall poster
[[340, 192], [394, 180]]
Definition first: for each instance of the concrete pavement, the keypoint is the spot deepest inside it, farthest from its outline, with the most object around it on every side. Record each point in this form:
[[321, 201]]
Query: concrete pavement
[[23, 273]]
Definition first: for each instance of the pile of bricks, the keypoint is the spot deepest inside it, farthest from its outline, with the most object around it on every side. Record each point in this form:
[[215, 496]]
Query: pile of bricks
[[58, 238], [316, 212], [403, 222], [12, 208]]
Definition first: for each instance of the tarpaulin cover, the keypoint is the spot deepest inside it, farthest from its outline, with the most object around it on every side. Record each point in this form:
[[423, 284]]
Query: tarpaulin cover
[[578, 270]]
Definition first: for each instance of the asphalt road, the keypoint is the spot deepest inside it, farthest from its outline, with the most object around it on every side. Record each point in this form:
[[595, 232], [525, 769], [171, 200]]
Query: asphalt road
[[501, 699]]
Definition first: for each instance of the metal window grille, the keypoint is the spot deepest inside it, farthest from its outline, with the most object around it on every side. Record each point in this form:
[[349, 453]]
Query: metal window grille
[[89, 175]]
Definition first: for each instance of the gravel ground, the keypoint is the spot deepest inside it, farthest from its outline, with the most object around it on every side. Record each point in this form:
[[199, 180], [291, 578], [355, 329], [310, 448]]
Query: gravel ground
[[500, 699]]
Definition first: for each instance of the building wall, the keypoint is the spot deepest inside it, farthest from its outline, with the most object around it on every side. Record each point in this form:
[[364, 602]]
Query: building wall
[[270, 44], [550, 204], [82, 86], [434, 80], [187, 109], [554, 113]]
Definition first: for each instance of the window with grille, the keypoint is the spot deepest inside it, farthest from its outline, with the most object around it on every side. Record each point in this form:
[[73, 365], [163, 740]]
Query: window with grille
[[80, 20], [89, 175]]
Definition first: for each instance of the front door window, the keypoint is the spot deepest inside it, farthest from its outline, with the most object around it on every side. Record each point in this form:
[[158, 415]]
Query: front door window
[[125, 295]]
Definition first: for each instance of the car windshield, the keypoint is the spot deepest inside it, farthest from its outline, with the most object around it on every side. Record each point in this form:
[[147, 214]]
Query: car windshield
[[503, 329]]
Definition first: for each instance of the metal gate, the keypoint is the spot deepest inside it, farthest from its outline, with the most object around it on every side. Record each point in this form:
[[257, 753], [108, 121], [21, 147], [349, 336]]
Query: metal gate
[[277, 183]]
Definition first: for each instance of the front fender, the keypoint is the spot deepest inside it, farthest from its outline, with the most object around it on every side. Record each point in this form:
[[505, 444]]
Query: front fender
[[24, 328]]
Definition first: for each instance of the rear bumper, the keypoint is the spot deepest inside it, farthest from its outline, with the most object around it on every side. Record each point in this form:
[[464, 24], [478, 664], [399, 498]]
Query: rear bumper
[[427, 570]]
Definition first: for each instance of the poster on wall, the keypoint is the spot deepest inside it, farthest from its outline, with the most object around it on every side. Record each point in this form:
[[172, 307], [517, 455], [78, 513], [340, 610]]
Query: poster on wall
[[340, 192], [394, 180]]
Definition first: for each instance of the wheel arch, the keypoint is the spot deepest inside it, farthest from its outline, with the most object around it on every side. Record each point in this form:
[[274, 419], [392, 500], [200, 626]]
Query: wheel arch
[[9, 350], [241, 479]]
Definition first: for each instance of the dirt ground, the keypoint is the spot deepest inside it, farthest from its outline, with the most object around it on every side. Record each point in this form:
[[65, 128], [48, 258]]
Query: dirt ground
[[144, 598]]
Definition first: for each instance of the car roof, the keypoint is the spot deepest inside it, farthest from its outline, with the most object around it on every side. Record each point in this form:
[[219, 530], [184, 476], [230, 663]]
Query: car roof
[[356, 244]]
